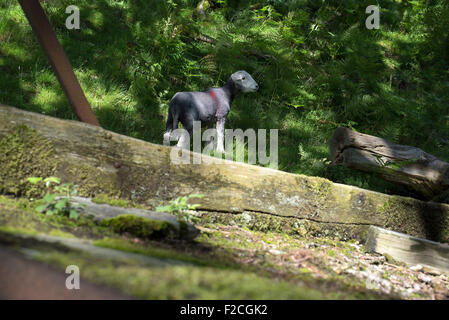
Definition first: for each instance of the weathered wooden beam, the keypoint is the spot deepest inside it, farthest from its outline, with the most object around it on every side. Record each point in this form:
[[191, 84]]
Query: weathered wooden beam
[[408, 249], [100, 161], [58, 60], [417, 170]]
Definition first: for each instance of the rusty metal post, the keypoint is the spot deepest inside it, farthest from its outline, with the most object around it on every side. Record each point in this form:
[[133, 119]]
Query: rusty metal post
[[59, 61]]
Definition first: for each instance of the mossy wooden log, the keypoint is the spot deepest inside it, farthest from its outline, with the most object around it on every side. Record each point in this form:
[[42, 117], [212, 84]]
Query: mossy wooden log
[[103, 162], [408, 249], [411, 167]]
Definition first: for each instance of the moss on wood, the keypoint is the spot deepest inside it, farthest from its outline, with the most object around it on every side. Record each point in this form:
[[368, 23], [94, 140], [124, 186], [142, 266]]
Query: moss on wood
[[141, 227], [287, 225], [24, 153], [115, 201], [20, 215]]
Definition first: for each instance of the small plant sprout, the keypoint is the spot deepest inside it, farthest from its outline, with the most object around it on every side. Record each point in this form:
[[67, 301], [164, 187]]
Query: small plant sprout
[[180, 208], [57, 198]]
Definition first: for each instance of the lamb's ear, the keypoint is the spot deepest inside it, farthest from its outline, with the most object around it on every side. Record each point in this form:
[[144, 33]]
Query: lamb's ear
[[236, 76]]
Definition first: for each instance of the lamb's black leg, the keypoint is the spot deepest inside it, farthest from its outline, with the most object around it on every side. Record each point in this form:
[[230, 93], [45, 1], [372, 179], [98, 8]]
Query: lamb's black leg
[[187, 123], [172, 124]]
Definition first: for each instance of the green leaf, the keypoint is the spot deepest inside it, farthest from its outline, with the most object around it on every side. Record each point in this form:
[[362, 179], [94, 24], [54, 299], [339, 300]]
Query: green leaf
[[49, 197], [183, 201], [53, 179], [73, 214], [61, 203], [163, 209], [41, 208], [34, 180]]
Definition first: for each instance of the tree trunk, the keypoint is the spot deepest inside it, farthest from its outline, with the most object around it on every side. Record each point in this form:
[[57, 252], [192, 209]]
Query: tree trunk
[[411, 167]]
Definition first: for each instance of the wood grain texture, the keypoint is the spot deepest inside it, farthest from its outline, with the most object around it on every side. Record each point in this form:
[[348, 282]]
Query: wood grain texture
[[419, 171], [408, 249]]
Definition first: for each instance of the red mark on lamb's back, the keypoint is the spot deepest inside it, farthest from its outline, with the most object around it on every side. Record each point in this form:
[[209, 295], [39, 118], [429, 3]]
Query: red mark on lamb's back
[[214, 96]]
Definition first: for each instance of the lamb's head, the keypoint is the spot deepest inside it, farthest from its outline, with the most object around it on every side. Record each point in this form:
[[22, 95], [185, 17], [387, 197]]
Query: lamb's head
[[244, 82]]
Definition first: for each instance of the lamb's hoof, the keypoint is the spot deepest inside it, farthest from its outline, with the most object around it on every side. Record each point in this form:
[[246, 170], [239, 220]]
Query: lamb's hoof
[[166, 139]]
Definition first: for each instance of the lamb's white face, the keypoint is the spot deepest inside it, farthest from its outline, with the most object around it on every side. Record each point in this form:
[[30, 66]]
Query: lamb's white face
[[244, 81]]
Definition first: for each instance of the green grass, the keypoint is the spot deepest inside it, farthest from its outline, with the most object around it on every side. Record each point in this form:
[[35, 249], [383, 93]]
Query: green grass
[[326, 70]]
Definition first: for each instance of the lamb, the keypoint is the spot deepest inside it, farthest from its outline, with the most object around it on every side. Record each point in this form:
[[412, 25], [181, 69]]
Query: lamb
[[206, 106]]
